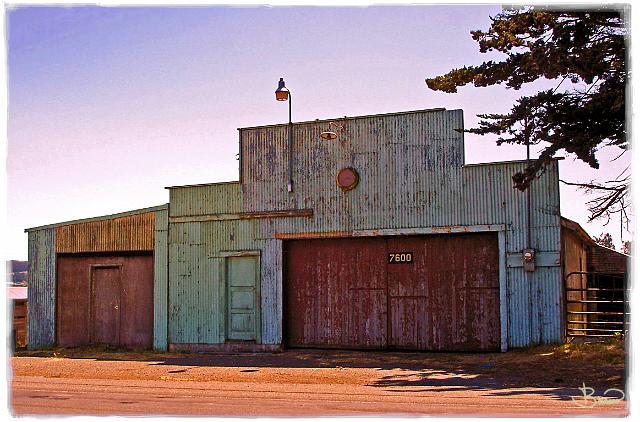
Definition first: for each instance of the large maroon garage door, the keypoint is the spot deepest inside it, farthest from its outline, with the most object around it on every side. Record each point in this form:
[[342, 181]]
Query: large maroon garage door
[[332, 299], [105, 300], [438, 292]]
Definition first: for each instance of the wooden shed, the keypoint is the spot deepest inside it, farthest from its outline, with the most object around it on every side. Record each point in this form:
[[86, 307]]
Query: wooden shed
[[595, 284], [19, 306]]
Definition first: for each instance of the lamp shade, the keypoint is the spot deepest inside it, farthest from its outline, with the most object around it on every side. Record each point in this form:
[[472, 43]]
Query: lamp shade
[[328, 135], [282, 93]]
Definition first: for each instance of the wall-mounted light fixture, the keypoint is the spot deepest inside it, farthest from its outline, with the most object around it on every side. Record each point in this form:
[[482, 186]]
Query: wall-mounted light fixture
[[328, 135]]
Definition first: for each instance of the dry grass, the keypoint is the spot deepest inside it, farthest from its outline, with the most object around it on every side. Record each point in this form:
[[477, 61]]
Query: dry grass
[[600, 364], [607, 352], [612, 352]]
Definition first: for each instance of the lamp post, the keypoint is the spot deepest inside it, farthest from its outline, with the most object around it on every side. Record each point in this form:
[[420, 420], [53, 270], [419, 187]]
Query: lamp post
[[283, 94]]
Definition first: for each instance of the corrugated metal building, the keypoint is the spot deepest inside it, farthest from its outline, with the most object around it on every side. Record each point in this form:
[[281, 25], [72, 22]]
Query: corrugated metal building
[[91, 281], [386, 240]]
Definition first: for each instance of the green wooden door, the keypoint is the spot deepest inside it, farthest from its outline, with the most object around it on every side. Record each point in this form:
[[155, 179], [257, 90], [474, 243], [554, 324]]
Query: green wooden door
[[243, 297]]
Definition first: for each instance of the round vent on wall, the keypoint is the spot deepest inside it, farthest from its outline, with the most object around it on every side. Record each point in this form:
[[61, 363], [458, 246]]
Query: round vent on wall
[[347, 179]]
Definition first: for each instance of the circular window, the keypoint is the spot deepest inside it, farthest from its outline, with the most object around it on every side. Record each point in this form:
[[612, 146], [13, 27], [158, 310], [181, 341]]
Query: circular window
[[347, 179]]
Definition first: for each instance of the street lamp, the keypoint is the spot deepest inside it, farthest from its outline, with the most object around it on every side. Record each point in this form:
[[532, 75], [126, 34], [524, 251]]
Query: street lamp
[[283, 94]]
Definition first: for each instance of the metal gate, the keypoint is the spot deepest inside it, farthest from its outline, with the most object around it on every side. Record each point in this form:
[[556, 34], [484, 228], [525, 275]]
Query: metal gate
[[436, 292], [598, 309]]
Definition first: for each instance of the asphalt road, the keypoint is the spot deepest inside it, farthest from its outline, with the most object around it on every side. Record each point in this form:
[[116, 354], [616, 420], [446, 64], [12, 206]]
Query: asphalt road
[[38, 395]]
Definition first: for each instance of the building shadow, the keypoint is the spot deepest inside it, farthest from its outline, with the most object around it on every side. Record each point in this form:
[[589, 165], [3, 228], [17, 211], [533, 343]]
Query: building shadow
[[492, 374]]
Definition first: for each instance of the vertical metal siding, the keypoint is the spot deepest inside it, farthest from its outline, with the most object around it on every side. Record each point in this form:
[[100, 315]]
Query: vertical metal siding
[[42, 288], [160, 275], [406, 163], [411, 175], [205, 199], [533, 297], [271, 292], [535, 302], [549, 302], [187, 289], [196, 277], [196, 284], [520, 307]]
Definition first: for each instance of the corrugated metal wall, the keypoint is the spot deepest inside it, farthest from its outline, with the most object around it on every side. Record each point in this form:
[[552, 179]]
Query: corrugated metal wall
[[196, 258], [131, 233], [206, 199], [535, 299], [160, 274], [405, 163], [412, 175], [42, 288], [194, 290]]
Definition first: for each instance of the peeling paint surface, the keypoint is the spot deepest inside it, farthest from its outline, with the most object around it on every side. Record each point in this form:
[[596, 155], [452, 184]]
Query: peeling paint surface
[[412, 178], [346, 293]]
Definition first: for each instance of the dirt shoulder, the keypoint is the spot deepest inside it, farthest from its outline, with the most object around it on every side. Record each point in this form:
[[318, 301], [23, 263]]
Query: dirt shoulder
[[599, 366]]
